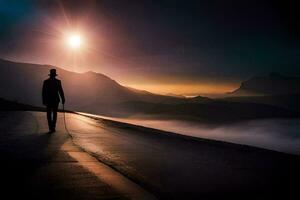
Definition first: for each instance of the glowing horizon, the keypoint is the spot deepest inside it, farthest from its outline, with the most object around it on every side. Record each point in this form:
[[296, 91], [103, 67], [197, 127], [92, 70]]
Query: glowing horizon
[[152, 50], [186, 89]]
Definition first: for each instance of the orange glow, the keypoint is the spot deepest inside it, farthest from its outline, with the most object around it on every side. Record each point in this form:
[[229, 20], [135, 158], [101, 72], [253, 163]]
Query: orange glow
[[79, 46], [185, 89]]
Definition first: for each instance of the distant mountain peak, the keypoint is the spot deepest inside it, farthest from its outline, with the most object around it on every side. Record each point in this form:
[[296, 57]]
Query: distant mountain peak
[[273, 84]]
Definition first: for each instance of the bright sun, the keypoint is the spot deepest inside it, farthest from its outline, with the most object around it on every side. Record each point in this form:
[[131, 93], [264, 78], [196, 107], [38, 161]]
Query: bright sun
[[74, 41]]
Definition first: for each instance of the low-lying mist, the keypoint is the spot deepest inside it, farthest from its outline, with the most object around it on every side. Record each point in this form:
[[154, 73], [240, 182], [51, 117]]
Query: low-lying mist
[[275, 134]]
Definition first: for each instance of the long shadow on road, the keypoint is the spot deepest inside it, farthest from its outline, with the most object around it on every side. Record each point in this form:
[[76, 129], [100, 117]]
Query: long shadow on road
[[34, 166], [23, 152]]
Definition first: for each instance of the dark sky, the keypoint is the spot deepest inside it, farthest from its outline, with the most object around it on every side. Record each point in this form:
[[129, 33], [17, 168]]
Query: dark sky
[[165, 42]]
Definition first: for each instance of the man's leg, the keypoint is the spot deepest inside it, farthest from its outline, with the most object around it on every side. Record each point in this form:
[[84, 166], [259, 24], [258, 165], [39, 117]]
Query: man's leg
[[49, 118], [55, 108]]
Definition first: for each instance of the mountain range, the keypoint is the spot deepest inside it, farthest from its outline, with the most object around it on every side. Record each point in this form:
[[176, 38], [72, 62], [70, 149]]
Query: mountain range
[[96, 93], [88, 91]]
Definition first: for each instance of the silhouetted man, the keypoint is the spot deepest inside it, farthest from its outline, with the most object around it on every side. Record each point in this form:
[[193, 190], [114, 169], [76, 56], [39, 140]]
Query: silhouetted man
[[52, 89]]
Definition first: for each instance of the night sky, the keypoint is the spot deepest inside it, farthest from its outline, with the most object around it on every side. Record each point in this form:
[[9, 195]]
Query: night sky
[[167, 46]]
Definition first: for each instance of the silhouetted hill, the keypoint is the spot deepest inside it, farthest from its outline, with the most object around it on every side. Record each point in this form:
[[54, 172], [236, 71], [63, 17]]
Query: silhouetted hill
[[274, 84], [88, 91], [275, 90], [6, 105], [287, 101], [200, 99], [213, 111]]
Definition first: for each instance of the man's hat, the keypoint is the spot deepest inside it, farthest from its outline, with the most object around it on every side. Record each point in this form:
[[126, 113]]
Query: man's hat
[[52, 72]]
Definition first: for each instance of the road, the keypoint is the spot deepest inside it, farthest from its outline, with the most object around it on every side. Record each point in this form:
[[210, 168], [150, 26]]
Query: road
[[38, 165], [180, 167]]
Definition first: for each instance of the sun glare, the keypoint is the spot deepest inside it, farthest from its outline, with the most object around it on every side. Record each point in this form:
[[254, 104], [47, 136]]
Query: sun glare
[[74, 41]]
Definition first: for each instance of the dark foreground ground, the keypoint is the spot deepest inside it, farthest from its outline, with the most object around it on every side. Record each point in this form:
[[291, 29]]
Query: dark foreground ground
[[42, 166], [38, 165]]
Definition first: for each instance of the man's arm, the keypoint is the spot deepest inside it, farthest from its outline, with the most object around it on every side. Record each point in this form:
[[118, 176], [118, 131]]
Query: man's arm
[[61, 93]]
